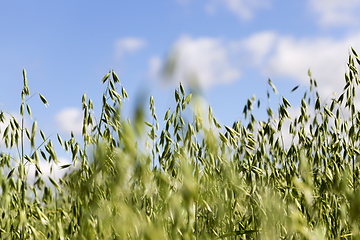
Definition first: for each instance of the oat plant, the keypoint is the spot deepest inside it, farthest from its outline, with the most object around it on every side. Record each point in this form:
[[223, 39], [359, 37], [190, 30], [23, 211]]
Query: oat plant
[[281, 177]]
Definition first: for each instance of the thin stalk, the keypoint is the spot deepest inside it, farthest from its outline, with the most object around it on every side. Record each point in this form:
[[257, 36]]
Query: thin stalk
[[22, 140], [196, 210], [154, 146], [352, 147], [22, 177], [231, 223]]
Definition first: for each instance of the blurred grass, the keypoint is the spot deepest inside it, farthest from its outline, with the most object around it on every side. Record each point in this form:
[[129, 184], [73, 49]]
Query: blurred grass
[[190, 180]]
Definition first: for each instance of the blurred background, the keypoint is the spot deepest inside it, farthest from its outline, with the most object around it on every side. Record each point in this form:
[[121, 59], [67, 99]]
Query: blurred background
[[225, 49]]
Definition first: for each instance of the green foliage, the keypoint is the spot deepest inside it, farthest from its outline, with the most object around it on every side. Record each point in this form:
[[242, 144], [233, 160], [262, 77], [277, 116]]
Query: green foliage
[[192, 179]]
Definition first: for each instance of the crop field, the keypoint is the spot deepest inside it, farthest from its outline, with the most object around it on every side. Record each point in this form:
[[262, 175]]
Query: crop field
[[193, 179]]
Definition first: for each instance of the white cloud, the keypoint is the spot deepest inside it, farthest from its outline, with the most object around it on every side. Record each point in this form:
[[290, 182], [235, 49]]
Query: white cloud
[[155, 65], [325, 57], [202, 61], [257, 47], [244, 9], [128, 45], [214, 61], [277, 55], [335, 12], [70, 119]]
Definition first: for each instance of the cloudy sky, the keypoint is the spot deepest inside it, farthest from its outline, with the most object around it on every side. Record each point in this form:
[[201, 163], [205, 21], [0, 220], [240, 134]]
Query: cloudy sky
[[231, 46]]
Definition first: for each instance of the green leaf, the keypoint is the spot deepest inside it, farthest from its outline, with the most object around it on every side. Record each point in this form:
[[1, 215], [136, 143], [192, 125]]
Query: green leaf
[[16, 123], [24, 77], [112, 86], [60, 140], [115, 77], [354, 52], [43, 218], [27, 133], [43, 135], [249, 147], [188, 98], [232, 131], [182, 90], [286, 102], [148, 124], [10, 173], [272, 86], [33, 133], [223, 139], [65, 166], [105, 77], [357, 151], [177, 96], [2, 117], [28, 110], [54, 183], [167, 115], [217, 125], [28, 158], [295, 88], [6, 132], [207, 206], [340, 99], [22, 109], [303, 103], [328, 112], [43, 99], [124, 93]]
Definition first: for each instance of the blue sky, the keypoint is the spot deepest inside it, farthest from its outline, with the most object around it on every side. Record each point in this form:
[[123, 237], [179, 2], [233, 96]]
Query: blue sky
[[232, 46]]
